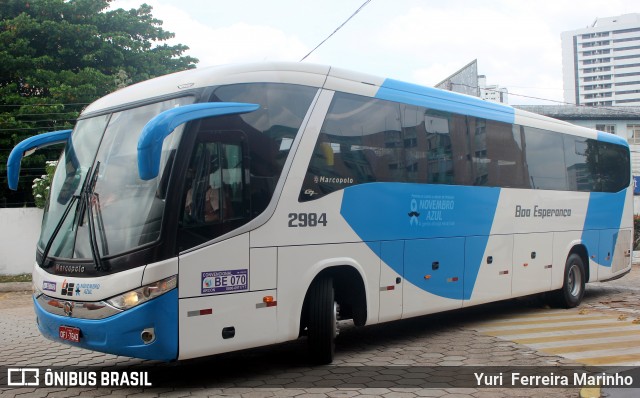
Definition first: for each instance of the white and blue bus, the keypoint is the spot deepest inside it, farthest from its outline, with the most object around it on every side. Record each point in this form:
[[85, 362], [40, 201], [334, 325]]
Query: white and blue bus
[[231, 207]]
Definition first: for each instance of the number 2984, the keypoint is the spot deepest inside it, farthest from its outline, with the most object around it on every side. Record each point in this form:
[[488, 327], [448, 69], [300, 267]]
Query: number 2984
[[307, 220]]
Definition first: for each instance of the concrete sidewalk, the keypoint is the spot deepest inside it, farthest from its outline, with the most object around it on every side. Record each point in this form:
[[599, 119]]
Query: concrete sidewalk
[[15, 287]]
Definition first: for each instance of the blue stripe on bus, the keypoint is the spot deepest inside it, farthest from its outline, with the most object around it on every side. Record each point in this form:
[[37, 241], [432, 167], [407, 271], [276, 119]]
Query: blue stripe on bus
[[612, 139], [120, 334], [602, 224], [395, 90], [419, 214]]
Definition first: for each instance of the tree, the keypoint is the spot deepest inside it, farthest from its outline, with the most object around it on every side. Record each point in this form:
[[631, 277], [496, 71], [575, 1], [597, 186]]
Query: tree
[[57, 56]]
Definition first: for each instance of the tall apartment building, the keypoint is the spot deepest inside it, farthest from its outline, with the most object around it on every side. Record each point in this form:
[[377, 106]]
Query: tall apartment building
[[492, 92], [601, 63]]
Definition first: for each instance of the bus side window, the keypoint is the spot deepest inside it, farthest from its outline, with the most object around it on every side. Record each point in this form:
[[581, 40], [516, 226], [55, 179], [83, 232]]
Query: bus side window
[[203, 200], [611, 160]]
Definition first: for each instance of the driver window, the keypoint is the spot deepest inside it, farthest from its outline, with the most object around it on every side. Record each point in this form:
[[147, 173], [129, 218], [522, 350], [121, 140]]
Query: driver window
[[211, 184], [216, 194], [202, 202]]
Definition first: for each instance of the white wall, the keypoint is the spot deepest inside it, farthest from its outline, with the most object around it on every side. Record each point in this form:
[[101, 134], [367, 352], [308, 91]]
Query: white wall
[[19, 233]]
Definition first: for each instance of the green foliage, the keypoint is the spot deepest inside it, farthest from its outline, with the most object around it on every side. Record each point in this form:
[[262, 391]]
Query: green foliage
[[57, 56], [41, 185], [15, 278]]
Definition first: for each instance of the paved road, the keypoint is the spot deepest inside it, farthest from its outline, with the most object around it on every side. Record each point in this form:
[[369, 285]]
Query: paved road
[[372, 361]]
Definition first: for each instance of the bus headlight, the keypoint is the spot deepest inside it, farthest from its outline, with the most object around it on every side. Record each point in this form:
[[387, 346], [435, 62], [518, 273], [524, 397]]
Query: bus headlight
[[143, 294]]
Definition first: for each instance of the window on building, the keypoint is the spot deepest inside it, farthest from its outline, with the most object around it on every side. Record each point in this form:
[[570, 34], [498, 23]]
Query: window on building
[[598, 95], [607, 128], [599, 103], [633, 133], [627, 92]]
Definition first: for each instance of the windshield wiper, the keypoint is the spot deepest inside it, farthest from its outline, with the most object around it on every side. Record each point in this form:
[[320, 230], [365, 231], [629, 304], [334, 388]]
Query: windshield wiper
[[45, 254], [56, 230], [103, 236], [88, 197]]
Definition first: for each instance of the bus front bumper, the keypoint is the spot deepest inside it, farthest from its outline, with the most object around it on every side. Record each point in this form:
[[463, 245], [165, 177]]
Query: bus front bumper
[[122, 334]]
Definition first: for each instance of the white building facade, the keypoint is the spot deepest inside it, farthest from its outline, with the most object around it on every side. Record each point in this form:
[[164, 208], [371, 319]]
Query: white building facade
[[601, 63], [492, 92]]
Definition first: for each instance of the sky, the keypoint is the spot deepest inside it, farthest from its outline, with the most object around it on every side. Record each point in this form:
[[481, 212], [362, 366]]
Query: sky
[[516, 42]]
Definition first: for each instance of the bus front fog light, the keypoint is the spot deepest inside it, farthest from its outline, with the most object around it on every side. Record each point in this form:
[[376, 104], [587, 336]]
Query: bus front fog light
[[148, 336]]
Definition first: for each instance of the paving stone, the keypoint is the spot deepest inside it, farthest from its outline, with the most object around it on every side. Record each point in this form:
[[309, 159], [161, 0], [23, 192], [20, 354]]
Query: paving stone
[[399, 394], [488, 394], [426, 341], [430, 392], [343, 393]]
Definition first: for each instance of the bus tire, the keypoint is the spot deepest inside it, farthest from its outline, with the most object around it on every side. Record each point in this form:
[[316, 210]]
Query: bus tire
[[572, 291], [322, 321]]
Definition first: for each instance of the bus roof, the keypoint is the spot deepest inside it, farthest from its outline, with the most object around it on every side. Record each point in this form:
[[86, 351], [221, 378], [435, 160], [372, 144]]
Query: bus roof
[[337, 79]]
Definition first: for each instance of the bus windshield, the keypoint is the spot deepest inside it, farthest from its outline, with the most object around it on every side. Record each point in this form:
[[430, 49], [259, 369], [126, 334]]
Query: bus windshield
[[127, 210]]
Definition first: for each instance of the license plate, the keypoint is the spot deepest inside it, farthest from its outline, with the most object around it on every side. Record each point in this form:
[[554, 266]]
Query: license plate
[[69, 333]]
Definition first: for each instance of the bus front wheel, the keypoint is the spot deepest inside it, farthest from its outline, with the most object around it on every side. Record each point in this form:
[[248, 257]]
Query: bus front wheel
[[322, 321], [572, 291]]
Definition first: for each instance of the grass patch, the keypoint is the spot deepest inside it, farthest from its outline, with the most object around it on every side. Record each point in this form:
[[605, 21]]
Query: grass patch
[[15, 278]]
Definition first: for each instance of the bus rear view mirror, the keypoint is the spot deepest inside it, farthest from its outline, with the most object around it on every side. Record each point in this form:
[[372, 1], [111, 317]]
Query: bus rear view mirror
[[158, 128], [27, 147]]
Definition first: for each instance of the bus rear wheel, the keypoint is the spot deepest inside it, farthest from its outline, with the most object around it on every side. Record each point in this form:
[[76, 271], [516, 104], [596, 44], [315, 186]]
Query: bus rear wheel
[[572, 291], [322, 321]]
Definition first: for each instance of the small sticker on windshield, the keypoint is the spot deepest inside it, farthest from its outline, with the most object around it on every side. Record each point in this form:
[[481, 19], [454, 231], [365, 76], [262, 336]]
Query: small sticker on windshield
[[225, 281]]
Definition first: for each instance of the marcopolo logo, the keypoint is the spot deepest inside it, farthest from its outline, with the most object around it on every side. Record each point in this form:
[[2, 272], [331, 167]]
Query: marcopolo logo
[[333, 180]]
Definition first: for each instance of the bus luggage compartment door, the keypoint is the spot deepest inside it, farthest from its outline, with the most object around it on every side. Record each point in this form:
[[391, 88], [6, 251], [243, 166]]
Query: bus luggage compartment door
[[488, 268], [215, 324], [434, 274], [532, 263], [615, 250], [391, 283]]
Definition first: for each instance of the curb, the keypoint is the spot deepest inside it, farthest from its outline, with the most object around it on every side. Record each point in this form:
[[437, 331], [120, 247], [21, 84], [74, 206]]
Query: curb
[[15, 287]]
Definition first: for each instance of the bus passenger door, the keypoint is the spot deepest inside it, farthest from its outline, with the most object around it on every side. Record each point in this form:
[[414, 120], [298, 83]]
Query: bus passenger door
[[391, 252], [223, 306]]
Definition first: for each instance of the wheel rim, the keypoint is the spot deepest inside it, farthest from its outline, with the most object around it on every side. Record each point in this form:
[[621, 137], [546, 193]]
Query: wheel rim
[[336, 331], [574, 280]]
